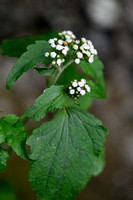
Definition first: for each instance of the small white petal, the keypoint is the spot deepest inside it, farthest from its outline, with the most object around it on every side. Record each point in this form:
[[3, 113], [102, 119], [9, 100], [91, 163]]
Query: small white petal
[[91, 60], [64, 32], [83, 40], [64, 51], [59, 62], [53, 62], [83, 80], [88, 53], [51, 41], [59, 47], [72, 91], [95, 52], [81, 84], [69, 40], [74, 84], [46, 54], [79, 55], [53, 45], [77, 41], [53, 54], [66, 48], [77, 61], [69, 32], [82, 92], [87, 88], [60, 42], [75, 46], [81, 48], [89, 42], [79, 89]]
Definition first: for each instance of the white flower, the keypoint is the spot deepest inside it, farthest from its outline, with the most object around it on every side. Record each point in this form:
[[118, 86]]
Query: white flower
[[83, 51], [74, 84], [64, 32], [85, 46], [75, 46], [66, 48], [77, 61], [69, 40], [87, 88], [60, 42], [59, 61], [67, 36], [53, 54], [51, 41], [88, 53], [81, 48], [79, 89], [64, 51], [73, 36], [79, 55], [72, 91], [83, 40], [69, 32], [53, 62], [53, 45], [59, 47], [89, 42], [83, 80], [95, 52], [82, 92], [81, 84], [77, 41], [46, 54], [91, 60]]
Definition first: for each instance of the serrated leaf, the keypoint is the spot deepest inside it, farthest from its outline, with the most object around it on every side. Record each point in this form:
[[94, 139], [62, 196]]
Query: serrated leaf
[[33, 56], [13, 133], [52, 99], [4, 155], [64, 151], [44, 71], [16, 47], [95, 70]]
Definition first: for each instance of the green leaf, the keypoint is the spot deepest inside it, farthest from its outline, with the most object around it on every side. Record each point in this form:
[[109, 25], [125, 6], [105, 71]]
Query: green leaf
[[99, 164], [52, 99], [3, 158], [33, 56], [64, 151], [6, 192], [70, 74], [95, 70], [16, 47], [44, 71], [12, 131]]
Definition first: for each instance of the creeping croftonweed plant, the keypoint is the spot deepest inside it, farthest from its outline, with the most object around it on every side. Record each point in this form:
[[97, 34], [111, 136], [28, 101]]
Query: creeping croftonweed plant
[[69, 149]]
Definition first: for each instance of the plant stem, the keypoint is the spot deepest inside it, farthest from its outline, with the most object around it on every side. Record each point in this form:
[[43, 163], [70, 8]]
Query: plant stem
[[59, 72]]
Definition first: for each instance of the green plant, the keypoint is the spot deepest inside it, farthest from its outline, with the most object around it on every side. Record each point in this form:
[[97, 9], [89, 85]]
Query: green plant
[[69, 149]]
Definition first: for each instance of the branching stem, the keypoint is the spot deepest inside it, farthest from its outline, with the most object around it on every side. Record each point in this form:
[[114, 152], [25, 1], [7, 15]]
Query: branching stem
[[58, 73]]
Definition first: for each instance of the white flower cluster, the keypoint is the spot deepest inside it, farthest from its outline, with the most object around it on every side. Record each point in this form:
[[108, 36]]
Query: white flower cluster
[[84, 50], [78, 88], [67, 44]]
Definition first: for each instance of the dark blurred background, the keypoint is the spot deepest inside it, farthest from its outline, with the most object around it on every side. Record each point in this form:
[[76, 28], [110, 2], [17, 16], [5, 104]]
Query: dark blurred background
[[109, 24]]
